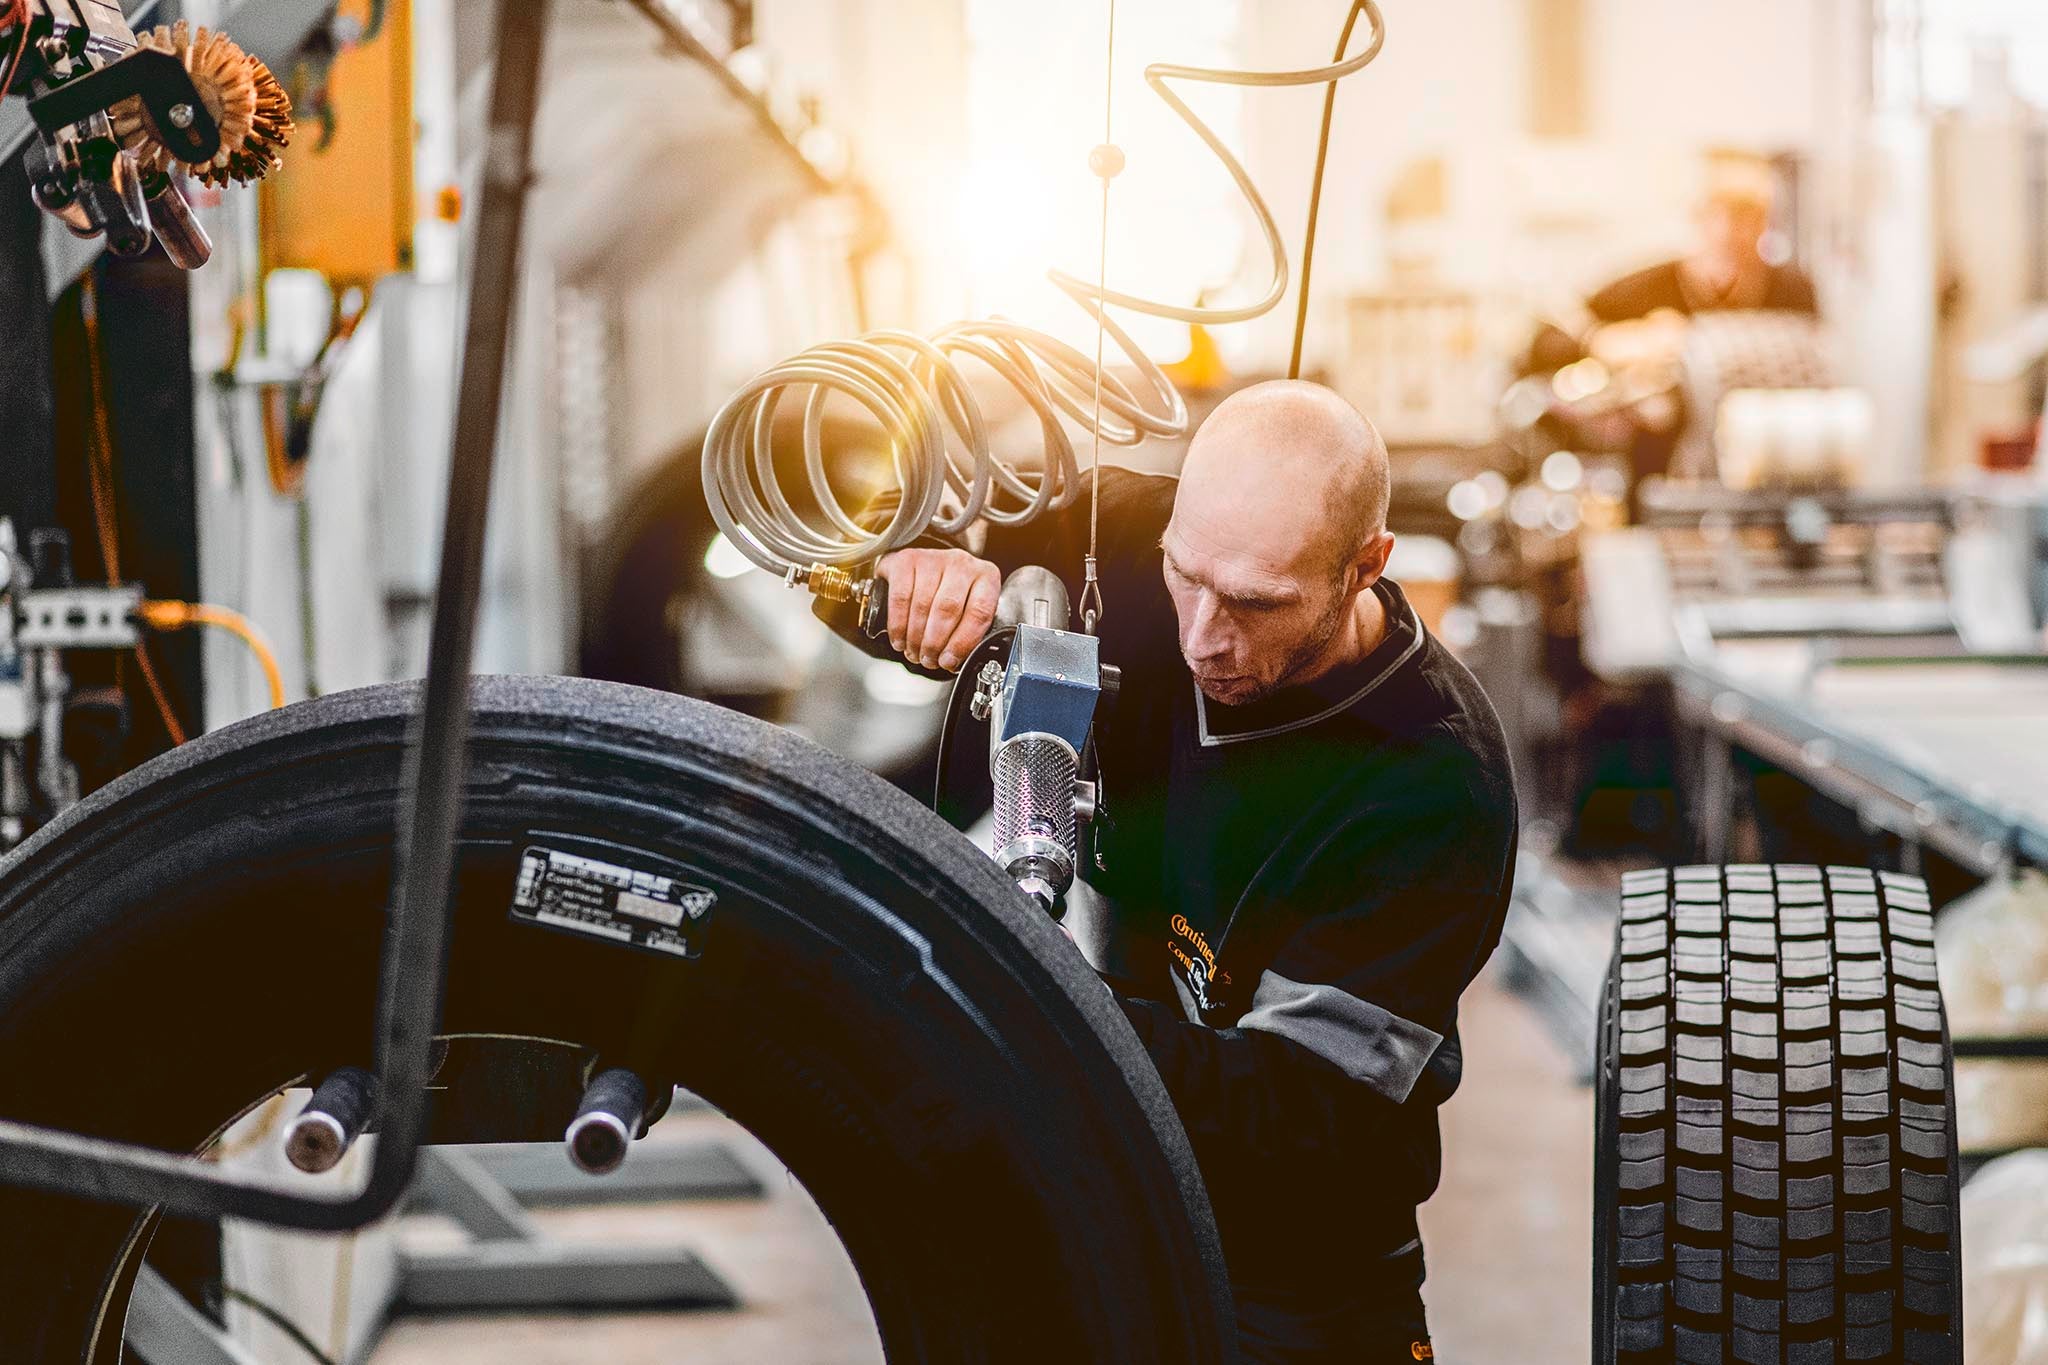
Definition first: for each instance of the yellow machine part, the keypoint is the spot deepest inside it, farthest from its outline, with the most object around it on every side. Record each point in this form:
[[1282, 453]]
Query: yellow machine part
[[346, 209]]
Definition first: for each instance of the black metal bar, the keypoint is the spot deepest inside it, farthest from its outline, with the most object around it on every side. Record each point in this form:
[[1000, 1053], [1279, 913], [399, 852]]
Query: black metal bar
[[414, 960], [28, 400], [2011, 1048], [414, 956]]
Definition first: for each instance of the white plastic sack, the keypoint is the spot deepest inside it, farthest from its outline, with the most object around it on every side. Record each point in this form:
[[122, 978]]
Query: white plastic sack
[[1993, 948], [2005, 1262]]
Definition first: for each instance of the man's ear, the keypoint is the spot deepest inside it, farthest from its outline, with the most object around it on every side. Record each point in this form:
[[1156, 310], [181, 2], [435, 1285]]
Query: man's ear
[[1372, 560]]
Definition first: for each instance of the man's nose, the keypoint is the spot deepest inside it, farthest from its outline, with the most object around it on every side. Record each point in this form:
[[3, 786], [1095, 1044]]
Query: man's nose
[[1206, 635]]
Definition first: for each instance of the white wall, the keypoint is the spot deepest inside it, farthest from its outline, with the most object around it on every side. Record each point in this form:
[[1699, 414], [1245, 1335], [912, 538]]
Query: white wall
[[1446, 84], [1534, 222], [1666, 77]]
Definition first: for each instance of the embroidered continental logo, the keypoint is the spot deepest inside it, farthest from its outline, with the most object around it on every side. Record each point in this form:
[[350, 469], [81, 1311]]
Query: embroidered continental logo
[[1196, 940], [1197, 959], [1421, 1350]]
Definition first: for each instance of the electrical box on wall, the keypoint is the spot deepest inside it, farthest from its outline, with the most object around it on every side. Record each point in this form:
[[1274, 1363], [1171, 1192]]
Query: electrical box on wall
[[344, 203]]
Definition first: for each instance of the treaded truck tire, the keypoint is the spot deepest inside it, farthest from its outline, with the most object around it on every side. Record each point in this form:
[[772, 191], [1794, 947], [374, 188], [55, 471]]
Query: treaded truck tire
[[870, 996], [1775, 1172]]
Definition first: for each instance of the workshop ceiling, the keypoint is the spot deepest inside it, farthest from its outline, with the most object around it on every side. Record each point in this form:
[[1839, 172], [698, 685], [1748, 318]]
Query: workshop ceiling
[[642, 152]]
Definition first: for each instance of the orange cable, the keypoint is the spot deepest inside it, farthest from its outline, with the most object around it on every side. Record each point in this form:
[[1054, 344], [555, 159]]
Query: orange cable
[[100, 466], [178, 615], [163, 702], [100, 439], [286, 478], [19, 9]]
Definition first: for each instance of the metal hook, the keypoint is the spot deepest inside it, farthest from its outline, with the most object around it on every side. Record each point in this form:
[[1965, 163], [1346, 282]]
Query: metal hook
[[1091, 597]]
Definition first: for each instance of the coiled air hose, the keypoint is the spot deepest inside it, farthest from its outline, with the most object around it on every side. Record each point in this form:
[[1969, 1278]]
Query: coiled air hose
[[938, 438]]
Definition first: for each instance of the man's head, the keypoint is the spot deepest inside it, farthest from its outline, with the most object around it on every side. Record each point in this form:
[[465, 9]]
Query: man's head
[[1279, 524]]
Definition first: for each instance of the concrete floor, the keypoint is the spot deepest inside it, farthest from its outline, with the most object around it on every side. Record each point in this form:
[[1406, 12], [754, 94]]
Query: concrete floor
[[1509, 1234], [1508, 1241], [802, 1302]]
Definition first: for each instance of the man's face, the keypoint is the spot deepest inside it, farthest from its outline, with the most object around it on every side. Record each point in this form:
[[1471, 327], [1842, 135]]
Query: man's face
[[1730, 231], [1256, 609]]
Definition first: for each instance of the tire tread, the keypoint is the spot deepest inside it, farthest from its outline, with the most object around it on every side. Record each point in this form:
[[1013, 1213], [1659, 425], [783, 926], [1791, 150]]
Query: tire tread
[[1778, 1168]]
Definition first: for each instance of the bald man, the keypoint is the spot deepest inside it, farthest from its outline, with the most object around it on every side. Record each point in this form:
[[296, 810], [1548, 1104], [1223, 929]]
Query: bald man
[[1307, 834]]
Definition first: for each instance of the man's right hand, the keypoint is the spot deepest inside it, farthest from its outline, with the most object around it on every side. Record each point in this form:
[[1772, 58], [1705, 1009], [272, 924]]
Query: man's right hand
[[941, 602]]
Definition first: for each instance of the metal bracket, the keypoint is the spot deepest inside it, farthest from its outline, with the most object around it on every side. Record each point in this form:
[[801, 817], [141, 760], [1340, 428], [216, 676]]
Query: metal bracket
[[159, 79], [79, 618]]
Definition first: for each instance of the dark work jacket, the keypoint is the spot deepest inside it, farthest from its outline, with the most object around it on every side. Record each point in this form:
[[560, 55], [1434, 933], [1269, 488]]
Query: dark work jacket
[[1786, 289], [1637, 295], [1320, 873]]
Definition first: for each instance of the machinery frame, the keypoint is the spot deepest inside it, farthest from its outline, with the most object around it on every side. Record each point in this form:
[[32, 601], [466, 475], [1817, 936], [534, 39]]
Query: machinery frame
[[415, 953]]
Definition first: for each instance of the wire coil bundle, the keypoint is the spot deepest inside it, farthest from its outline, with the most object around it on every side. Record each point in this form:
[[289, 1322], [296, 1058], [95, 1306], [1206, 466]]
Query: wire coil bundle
[[914, 388]]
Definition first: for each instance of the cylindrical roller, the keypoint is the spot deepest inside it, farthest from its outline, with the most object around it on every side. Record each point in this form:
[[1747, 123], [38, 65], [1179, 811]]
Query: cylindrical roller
[[331, 1121], [608, 1121], [1034, 817], [184, 240]]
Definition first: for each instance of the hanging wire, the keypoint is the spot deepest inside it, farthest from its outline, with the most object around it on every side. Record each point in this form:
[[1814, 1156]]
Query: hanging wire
[[913, 386], [1106, 160], [1315, 189]]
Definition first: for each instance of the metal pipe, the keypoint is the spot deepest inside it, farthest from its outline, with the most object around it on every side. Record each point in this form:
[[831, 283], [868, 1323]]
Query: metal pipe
[[53, 689]]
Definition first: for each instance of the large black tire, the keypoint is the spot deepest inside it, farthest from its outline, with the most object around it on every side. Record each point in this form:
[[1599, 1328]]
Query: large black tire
[[1775, 1170], [873, 999]]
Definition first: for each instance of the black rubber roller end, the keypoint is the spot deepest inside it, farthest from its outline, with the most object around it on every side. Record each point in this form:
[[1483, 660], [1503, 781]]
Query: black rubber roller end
[[608, 1121], [331, 1121]]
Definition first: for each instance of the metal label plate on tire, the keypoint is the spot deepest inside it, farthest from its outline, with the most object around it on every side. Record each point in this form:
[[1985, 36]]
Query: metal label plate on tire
[[583, 895]]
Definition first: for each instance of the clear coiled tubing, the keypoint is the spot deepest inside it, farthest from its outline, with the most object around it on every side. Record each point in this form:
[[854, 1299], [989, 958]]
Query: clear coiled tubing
[[913, 387]]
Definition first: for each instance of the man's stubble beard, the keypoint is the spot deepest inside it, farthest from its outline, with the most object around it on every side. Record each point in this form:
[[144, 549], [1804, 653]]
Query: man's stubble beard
[[1312, 648]]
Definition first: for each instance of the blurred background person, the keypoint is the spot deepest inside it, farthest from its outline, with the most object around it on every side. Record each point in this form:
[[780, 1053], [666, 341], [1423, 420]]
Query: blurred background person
[[1636, 327]]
